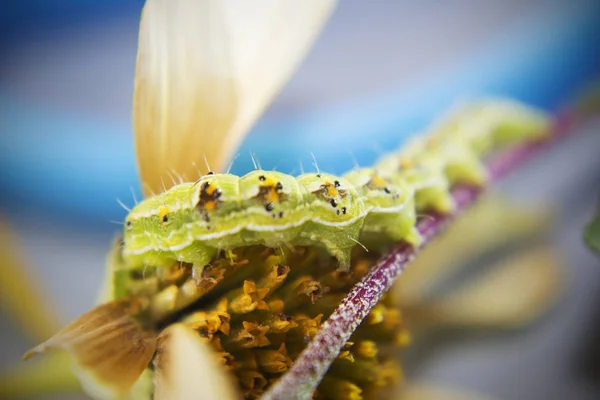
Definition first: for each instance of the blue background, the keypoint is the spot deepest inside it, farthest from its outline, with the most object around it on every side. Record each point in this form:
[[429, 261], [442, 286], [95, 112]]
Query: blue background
[[79, 162]]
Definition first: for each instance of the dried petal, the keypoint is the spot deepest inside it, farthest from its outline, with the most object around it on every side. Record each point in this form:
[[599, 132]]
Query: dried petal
[[247, 299], [280, 323], [273, 361], [108, 346], [251, 379], [209, 321], [251, 335]]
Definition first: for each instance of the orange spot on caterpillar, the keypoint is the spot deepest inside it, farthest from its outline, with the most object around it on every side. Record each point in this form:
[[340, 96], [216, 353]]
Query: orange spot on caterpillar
[[272, 196], [331, 189], [210, 190], [377, 181], [406, 162], [269, 190], [163, 213], [209, 196]]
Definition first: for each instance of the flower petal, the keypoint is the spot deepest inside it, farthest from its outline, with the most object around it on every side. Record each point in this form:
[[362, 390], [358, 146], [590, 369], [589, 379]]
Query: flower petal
[[492, 223], [186, 368], [509, 295], [426, 391], [206, 70], [109, 348]]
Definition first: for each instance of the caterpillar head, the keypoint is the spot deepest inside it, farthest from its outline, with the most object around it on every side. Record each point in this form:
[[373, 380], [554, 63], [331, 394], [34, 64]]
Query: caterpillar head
[[156, 225]]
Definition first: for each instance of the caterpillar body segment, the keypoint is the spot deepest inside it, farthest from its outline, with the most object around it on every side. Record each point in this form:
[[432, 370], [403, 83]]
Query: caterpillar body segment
[[276, 205], [467, 125], [192, 222], [161, 230], [490, 124], [391, 209], [255, 209], [461, 164], [337, 214], [427, 180], [450, 156], [517, 122]]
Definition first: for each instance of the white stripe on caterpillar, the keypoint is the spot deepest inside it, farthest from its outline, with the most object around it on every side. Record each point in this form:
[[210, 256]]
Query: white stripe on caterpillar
[[192, 221]]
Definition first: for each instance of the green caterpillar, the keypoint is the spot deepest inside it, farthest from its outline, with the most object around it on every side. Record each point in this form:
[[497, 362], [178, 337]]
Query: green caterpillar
[[191, 222]]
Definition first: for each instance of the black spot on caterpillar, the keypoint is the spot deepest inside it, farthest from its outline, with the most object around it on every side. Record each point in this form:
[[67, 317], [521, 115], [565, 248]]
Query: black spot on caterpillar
[[317, 209]]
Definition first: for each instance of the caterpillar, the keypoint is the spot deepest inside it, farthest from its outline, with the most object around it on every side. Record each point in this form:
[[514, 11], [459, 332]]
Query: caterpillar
[[193, 221]]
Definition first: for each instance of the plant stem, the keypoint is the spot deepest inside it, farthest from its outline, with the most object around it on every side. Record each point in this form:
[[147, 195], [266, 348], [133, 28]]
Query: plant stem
[[311, 365]]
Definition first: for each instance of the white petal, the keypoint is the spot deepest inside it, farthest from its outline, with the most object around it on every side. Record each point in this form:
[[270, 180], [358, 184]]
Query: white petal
[[186, 368], [206, 71]]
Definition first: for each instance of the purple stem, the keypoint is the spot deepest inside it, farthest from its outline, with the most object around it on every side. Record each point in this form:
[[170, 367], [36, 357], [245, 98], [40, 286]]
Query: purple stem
[[307, 371]]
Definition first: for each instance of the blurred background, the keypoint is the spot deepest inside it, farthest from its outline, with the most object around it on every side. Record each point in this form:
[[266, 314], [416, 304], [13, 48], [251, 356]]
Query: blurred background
[[379, 72]]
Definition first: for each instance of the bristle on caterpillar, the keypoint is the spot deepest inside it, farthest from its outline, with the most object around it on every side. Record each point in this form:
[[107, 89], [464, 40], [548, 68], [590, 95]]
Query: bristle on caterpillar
[[193, 221]]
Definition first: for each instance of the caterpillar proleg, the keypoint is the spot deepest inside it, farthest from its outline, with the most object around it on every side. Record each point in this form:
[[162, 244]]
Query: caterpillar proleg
[[192, 221]]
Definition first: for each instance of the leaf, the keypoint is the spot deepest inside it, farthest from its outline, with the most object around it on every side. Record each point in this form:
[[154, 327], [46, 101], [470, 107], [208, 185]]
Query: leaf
[[206, 70], [592, 233]]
